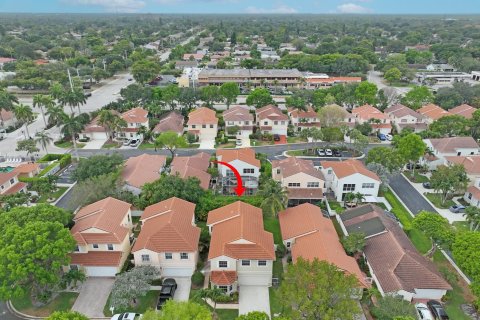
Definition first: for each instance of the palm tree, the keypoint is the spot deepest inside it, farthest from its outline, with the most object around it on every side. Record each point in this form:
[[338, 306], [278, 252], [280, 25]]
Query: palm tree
[[7, 101], [55, 115], [71, 126], [73, 98], [106, 119], [274, 197], [24, 113], [359, 197], [44, 139], [118, 123], [211, 293], [56, 91], [43, 100], [472, 215], [349, 198]]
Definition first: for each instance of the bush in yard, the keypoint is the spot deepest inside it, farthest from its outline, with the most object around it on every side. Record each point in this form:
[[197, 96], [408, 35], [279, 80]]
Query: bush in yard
[[66, 315], [198, 278], [97, 165]]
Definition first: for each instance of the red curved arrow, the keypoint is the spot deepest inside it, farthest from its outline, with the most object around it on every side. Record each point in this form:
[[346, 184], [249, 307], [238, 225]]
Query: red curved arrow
[[239, 189]]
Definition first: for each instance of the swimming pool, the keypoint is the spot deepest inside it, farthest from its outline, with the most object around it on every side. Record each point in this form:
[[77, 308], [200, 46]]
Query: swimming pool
[[6, 169]]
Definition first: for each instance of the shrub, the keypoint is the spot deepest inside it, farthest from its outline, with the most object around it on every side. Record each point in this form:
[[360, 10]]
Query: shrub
[[210, 202], [198, 278]]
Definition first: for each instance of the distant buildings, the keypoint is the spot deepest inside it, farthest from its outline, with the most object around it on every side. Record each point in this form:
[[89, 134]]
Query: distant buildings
[[251, 77]]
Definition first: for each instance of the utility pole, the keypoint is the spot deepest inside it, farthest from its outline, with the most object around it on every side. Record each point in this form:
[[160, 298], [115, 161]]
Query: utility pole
[[104, 67], [70, 79]]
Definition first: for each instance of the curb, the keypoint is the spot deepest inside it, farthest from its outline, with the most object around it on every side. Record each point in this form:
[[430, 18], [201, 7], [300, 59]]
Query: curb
[[454, 265], [400, 200], [19, 314]]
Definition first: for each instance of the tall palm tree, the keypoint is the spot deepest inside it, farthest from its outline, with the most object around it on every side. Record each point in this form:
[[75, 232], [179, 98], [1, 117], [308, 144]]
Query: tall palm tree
[[43, 100], [55, 115], [71, 126], [118, 123], [44, 139], [106, 119], [359, 197], [73, 98], [472, 215], [24, 113], [211, 293], [7, 101], [56, 91], [275, 197]]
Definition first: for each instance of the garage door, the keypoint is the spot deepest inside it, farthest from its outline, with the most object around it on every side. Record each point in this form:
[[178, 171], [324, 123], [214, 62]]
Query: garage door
[[101, 271], [177, 272], [99, 135], [254, 280]]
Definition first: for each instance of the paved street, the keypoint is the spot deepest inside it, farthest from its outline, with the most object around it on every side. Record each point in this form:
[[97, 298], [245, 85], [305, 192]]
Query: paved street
[[376, 77], [5, 314], [409, 195]]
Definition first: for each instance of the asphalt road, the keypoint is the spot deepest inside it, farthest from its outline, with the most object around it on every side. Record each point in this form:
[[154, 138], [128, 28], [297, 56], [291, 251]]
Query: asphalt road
[[5, 314], [409, 195]]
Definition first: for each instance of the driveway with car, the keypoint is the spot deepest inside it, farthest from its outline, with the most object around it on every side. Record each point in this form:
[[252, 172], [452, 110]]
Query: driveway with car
[[253, 298], [93, 296]]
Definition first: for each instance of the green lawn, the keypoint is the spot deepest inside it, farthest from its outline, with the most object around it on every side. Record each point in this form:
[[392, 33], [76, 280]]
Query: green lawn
[[436, 199], [110, 145], [55, 195], [420, 240], [68, 144], [399, 210], [146, 145], [417, 177], [149, 301], [255, 142], [226, 145], [227, 314], [461, 226], [63, 302], [295, 139], [273, 225], [276, 305], [334, 205]]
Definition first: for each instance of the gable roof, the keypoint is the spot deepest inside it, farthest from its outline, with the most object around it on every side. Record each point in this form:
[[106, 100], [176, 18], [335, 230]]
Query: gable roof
[[297, 113], [202, 115], [270, 112], [135, 115], [463, 110], [450, 145], [27, 168], [167, 226], [237, 232], [471, 163], [6, 176], [293, 165], [399, 111], [433, 111], [368, 112], [349, 167], [105, 215], [237, 113], [143, 169], [245, 154], [396, 263], [193, 166], [172, 121], [94, 126]]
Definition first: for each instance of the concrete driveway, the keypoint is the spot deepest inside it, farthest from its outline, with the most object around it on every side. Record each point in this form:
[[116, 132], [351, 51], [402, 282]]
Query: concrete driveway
[[183, 288], [95, 144], [93, 296], [253, 298], [207, 144]]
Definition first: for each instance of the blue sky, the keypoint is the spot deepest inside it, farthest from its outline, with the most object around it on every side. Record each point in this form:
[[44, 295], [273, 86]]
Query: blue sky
[[245, 6]]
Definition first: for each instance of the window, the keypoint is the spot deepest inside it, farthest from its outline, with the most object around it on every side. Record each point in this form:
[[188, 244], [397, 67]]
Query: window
[[74, 267], [265, 123], [77, 248], [95, 246], [12, 181], [275, 122], [470, 196], [313, 184], [223, 264], [368, 185], [282, 122], [262, 263], [168, 256], [230, 173], [278, 171], [223, 288], [247, 123], [184, 256], [110, 247], [289, 244], [204, 126], [211, 126], [294, 184], [230, 288], [193, 126], [230, 123], [249, 170], [349, 187], [245, 262], [145, 258], [329, 171]]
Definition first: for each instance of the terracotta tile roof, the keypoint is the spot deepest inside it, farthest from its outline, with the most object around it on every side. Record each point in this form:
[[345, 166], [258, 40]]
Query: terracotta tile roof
[[202, 116], [244, 222], [451, 145], [270, 112], [333, 80], [471, 163], [94, 126], [168, 226], [305, 193], [297, 113], [475, 191], [368, 112], [293, 165], [105, 215], [196, 56], [15, 188], [245, 154], [135, 115], [6, 176], [348, 167], [309, 124], [27, 168], [172, 121], [223, 278], [315, 237], [463, 110], [143, 169], [394, 260], [400, 111], [381, 125], [97, 258], [194, 166], [237, 113], [433, 111]]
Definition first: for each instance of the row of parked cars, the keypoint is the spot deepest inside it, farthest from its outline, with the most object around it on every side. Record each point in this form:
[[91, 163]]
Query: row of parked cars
[[433, 310], [329, 153]]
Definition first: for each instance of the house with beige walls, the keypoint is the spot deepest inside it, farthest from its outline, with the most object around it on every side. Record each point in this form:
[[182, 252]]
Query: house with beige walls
[[403, 117], [239, 116], [270, 119], [168, 238], [9, 183], [135, 119], [203, 123], [379, 121], [301, 119]]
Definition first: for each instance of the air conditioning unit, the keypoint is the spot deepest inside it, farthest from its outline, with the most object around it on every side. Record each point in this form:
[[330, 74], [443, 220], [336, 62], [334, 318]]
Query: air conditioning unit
[[369, 280]]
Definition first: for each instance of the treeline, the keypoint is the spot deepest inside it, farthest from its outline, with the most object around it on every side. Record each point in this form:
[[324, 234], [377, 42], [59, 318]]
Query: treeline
[[336, 63]]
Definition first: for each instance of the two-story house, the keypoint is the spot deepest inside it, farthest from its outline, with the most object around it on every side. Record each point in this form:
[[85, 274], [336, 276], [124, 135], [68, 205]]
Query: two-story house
[[203, 123], [142, 169], [433, 112], [472, 195], [270, 119], [303, 182], [301, 119], [438, 149], [306, 233], [172, 121], [135, 119], [102, 231], [241, 118], [379, 121], [343, 177], [241, 252], [403, 117], [169, 238], [192, 166], [247, 165], [9, 183], [27, 170]]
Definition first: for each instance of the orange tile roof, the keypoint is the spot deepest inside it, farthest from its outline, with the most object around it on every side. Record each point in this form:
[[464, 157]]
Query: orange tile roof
[[27, 168], [463, 110], [368, 112], [450, 145], [143, 169], [237, 113], [202, 116], [194, 166], [333, 80], [270, 112], [172, 121], [315, 237], [245, 154], [297, 113], [475, 191], [433, 111], [97, 258], [15, 188], [167, 226], [196, 56], [471, 163], [223, 278], [400, 111], [105, 215], [6, 176], [293, 165], [348, 167], [239, 221], [135, 115]]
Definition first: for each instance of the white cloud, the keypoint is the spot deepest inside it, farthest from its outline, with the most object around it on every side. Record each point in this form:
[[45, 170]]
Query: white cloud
[[352, 8], [113, 5], [279, 9]]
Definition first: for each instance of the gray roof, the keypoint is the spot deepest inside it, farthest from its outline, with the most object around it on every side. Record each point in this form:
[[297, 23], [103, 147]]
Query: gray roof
[[369, 227], [356, 212]]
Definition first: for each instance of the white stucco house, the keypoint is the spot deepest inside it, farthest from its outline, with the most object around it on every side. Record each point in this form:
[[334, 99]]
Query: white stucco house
[[472, 195], [239, 116], [403, 117], [135, 119], [270, 119], [441, 148], [247, 165]]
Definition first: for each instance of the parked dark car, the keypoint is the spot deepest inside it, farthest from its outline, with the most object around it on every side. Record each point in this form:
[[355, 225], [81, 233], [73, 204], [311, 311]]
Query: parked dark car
[[437, 310], [427, 185], [88, 94], [410, 166], [276, 137], [167, 292], [336, 153], [382, 137]]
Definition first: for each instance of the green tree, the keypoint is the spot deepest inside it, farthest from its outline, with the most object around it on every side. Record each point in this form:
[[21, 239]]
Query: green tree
[[43, 101], [436, 227], [390, 307], [111, 121], [366, 93], [44, 139], [144, 71], [175, 310], [213, 294], [229, 91], [24, 114], [274, 196], [210, 94], [472, 215], [411, 147], [318, 290], [74, 97], [417, 97], [388, 157], [360, 141], [448, 180], [170, 95], [254, 315], [66, 315], [450, 126], [55, 115], [332, 115], [27, 145], [259, 97], [475, 124], [354, 242], [7, 101], [71, 126], [188, 98], [314, 133], [171, 141], [97, 165], [466, 252], [392, 75]]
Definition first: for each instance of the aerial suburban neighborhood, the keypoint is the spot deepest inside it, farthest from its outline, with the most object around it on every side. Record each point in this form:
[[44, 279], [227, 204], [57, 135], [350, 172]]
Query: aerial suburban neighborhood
[[239, 160]]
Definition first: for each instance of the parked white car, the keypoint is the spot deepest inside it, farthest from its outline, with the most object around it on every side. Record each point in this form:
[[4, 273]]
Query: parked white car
[[423, 312], [389, 137], [127, 316]]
